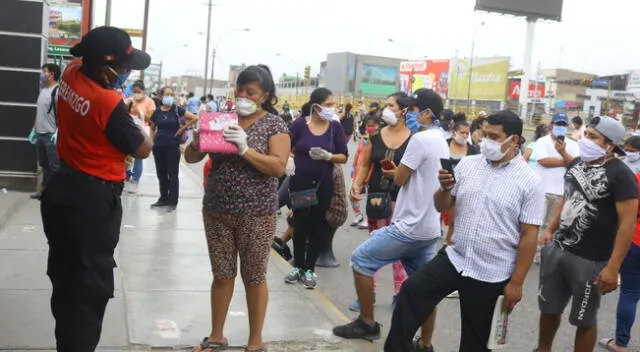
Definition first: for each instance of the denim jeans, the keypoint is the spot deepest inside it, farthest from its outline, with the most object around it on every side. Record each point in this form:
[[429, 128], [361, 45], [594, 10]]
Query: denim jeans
[[47, 156], [629, 295], [136, 173]]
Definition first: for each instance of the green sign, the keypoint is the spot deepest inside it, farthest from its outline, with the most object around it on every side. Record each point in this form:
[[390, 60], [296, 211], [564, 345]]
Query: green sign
[[59, 50], [378, 80]]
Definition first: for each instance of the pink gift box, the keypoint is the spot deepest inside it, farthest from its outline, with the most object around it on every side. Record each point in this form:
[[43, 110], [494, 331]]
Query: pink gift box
[[211, 126]]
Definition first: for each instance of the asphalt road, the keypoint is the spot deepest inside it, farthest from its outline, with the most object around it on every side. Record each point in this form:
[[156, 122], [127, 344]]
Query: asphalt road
[[337, 285]]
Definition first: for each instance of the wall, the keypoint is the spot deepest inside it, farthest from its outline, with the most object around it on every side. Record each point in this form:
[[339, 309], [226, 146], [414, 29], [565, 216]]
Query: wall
[[23, 37], [336, 74]]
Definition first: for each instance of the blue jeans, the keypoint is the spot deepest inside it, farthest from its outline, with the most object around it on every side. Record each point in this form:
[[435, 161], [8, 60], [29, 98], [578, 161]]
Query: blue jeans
[[136, 173], [629, 295], [388, 245], [47, 156]]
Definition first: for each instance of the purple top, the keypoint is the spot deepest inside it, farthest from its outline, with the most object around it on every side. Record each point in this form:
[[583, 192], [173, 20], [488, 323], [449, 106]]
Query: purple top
[[302, 140]]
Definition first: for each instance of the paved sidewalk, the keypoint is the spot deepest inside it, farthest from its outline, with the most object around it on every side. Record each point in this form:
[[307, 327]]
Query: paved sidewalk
[[162, 288]]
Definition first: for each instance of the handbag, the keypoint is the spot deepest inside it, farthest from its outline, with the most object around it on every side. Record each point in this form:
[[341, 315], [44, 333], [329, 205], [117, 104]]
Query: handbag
[[337, 213], [379, 203], [309, 197]]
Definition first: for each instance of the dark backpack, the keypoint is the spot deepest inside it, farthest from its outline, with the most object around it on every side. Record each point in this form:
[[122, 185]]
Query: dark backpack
[[53, 106]]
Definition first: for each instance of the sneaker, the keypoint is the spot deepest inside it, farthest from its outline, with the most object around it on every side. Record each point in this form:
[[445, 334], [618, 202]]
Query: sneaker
[[35, 196], [171, 208], [355, 305], [160, 203], [363, 225], [133, 188], [454, 294], [293, 276], [309, 280], [358, 329], [418, 348], [358, 219]]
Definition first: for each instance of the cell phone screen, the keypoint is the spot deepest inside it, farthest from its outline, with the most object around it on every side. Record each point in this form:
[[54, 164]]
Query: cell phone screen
[[447, 164]]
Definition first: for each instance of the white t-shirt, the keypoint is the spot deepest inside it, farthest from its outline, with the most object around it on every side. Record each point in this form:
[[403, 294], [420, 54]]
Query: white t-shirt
[[553, 177], [415, 214]]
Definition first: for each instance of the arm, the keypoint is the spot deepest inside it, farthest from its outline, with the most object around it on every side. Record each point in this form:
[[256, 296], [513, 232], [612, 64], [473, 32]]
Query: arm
[[527, 154], [412, 158], [338, 159], [363, 168], [627, 217], [526, 251], [125, 135], [191, 119], [339, 144], [452, 218], [403, 172], [566, 159], [274, 163], [552, 162]]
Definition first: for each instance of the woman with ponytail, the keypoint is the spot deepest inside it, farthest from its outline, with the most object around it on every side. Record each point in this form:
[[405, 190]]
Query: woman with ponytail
[[318, 142], [240, 205]]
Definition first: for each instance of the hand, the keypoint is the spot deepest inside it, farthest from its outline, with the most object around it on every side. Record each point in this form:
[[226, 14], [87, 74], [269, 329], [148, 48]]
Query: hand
[[354, 193], [449, 242], [512, 295], [607, 280], [446, 179], [195, 142], [54, 137], [320, 154], [546, 238], [32, 136], [236, 135], [391, 172], [181, 131], [560, 146]]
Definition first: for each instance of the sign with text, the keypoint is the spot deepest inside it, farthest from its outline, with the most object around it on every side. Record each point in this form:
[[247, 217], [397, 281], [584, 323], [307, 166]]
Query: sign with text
[[68, 22], [432, 74], [536, 91], [488, 78]]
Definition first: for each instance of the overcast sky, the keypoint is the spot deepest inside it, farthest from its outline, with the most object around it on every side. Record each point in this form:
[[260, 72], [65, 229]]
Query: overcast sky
[[594, 36]]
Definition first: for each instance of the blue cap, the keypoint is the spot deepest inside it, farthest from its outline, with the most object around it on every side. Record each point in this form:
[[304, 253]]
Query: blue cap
[[560, 116]]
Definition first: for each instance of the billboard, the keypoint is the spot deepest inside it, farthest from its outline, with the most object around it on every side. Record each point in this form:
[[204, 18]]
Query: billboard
[[432, 74], [536, 91], [633, 83], [488, 78], [378, 80], [68, 22], [540, 9]]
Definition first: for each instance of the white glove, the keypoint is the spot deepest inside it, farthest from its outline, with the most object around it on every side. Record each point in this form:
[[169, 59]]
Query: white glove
[[290, 169], [319, 154], [236, 135]]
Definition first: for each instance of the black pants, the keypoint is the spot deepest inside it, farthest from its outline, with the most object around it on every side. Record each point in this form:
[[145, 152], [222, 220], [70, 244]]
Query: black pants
[[81, 218], [425, 288], [47, 156], [310, 225], [167, 161]]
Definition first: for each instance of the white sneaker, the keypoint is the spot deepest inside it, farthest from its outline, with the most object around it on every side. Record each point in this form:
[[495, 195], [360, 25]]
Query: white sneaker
[[363, 224], [133, 188], [358, 219]]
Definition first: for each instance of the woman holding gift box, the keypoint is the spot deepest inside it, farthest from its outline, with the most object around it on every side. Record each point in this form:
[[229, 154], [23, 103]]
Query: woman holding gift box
[[318, 142], [168, 123], [240, 203]]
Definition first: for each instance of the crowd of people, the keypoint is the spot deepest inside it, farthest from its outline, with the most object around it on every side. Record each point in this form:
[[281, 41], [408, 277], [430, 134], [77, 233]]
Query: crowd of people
[[570, 200]]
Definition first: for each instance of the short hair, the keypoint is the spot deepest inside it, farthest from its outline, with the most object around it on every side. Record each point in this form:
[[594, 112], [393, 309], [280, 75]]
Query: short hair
[[53, 68], [138, 84], [510, 122], [577, 120]]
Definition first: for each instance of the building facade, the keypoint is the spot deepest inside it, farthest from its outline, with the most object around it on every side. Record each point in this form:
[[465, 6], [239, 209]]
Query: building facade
[[350, 74]]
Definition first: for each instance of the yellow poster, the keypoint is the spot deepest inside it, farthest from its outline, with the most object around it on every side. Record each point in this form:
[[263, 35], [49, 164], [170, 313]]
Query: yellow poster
[[488, 79]]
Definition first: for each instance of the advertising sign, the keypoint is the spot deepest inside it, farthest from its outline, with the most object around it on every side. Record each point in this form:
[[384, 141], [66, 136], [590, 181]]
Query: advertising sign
[[536, 91], [488, 78], [432, 74], [378, 80], [68, 22]]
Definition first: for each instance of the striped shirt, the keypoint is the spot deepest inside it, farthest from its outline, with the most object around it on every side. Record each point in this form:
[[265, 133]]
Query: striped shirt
[[491, 204]]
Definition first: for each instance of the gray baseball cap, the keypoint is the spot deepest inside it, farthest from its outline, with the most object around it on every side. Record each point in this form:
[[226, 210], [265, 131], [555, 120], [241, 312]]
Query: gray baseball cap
[[611, 129]]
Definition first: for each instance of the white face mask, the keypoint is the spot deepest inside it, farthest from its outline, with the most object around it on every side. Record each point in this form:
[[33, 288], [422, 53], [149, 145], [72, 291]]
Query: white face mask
[[326, 113], [492, 150], [245, 107], [459, 139], [632, 157], [590, 151], [389, 117], [138, 96]]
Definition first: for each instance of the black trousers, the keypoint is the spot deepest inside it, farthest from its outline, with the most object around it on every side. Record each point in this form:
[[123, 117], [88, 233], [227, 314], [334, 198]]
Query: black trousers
[[310, 226], [425, 288], [167, 161], [81, 217]]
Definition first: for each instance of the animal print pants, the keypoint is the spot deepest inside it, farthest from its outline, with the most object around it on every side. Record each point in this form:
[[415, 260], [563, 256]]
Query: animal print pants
[[233, 235]]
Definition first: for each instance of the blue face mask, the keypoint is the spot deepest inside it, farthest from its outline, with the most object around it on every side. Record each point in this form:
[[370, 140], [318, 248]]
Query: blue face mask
[[414, 125], [121, 79], [43, 78], [168, 100], [559, 131]]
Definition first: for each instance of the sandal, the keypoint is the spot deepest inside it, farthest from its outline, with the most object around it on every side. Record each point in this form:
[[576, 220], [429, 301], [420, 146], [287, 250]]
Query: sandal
[[213, 346], [606, 343]]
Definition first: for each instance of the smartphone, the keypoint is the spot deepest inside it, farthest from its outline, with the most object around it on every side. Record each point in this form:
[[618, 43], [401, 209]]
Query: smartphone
[[561, 138], [386, 164], [447, 164]]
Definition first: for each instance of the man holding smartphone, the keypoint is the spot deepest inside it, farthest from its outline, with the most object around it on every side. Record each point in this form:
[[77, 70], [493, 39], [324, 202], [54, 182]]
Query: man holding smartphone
[[498, 201], [554, 152]]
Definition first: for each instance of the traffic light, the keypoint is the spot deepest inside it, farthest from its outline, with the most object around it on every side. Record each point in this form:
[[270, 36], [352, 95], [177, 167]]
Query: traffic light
[[307, 72]]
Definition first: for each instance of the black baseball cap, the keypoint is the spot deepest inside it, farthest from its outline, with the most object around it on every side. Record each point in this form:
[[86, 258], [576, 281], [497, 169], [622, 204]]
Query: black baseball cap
[[424, 98], [110, 45]]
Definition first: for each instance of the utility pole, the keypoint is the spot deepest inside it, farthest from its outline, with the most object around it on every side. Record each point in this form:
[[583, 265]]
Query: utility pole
[[213, 66], [206, 52], [107, 16], [145, 30]]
